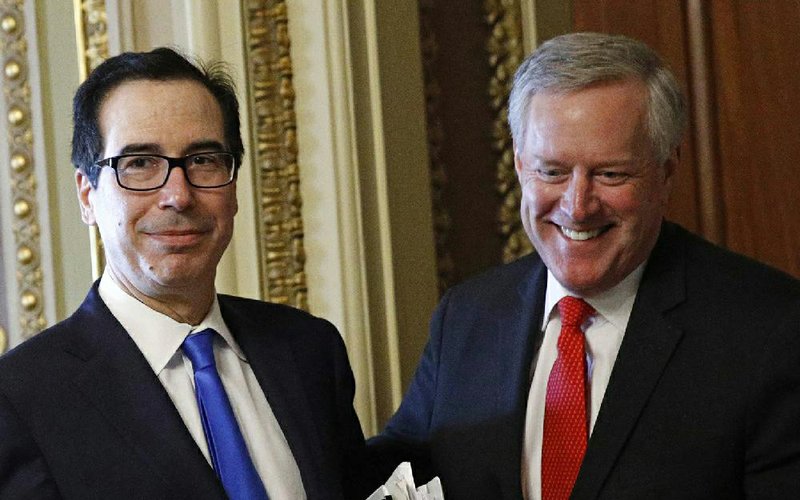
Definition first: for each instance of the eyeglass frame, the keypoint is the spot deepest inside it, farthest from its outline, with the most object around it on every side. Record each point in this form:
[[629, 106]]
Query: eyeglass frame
[[172, 162]]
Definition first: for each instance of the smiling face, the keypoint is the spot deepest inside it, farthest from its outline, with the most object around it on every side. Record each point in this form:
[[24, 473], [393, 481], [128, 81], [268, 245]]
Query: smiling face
[[165, 243], [593, 197]]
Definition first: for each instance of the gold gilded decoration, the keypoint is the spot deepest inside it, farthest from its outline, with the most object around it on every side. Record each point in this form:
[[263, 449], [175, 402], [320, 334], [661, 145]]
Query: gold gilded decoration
[[9, 23], [3, 340], [25, 223], [433, 114], [24, 255], [29, 301], [22, 209], [18, 162], [91, 29], [12, 69], [506, 52], [16, 116], [271, 101]]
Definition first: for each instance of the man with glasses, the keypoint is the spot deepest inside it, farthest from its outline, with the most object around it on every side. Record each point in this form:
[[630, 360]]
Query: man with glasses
[[158, 387]]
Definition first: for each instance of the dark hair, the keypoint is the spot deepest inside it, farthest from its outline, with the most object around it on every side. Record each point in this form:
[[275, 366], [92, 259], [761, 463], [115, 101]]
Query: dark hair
[[579, 60], [162, 64]]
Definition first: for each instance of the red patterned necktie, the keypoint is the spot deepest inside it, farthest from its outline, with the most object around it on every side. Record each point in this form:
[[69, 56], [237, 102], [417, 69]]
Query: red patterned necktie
[[565, 427]]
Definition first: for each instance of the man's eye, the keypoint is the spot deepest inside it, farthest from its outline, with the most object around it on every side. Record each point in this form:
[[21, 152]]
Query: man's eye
[[613, 176], [139, 162], [202, 160], [550, 174]]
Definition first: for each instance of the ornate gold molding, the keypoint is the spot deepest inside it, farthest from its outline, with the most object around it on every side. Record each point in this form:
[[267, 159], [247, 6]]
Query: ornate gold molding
[[271, 101], [25, 217], [441, 217], [91, 29], [506, 52]]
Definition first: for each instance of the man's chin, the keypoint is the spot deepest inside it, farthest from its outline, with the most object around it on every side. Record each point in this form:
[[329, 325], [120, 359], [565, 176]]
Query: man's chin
[[584, 282], [175, 275]]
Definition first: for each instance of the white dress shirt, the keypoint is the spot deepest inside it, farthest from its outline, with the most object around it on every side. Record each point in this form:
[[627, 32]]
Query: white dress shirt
[[159, 337], [604, 332]]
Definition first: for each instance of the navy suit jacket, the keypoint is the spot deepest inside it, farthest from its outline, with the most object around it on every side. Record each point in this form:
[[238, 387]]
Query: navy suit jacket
[[703, 400], [83, 416]]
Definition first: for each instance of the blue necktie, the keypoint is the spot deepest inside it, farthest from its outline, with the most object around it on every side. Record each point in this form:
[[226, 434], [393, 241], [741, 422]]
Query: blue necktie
[[229, 454]]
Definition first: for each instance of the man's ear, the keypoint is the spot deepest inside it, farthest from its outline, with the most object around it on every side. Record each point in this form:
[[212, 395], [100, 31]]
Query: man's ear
[[671, 165], [517, 161], [83, 187]]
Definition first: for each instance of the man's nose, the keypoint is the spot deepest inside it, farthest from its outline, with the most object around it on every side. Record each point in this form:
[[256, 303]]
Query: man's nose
[[579, 201], [177, 193]]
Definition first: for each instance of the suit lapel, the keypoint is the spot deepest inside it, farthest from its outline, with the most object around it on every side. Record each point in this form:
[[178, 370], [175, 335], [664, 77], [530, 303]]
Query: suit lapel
[[519, 320], [645, 351], [118, 382], [266, 345]]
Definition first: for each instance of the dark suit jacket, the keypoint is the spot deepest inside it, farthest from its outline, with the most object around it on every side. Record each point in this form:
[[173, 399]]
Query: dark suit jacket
[[703, 401], [83, 416]]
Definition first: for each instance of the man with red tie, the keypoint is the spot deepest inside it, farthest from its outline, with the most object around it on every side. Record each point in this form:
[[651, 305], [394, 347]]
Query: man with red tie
[[626, 358], [158, 387]]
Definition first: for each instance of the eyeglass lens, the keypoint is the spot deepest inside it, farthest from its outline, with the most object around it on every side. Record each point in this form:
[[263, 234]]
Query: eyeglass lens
[[150, 172]]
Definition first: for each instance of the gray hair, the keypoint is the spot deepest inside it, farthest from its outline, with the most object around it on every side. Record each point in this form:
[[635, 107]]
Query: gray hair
[[579, 60]]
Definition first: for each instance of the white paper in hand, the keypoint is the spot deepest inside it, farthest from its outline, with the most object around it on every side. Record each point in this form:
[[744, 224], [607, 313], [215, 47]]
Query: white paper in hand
[[400, 486], [431, 491]]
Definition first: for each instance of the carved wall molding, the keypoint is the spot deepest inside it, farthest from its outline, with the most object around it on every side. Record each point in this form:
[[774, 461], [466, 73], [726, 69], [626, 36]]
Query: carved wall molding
[[506, 51], [436, 135], [91, 29], [271, 100], [91, 23], [25, 210]]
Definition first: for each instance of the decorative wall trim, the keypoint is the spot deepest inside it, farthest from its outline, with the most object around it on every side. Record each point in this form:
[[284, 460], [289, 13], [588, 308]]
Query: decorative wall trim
[[25, 215], [271, 100], [91, 23], [506, 51], [705, 132], [435, 130], [91, 29]]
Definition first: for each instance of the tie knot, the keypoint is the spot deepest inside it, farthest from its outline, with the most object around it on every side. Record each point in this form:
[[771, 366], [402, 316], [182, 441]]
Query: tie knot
[[574, 311], [199, 348]]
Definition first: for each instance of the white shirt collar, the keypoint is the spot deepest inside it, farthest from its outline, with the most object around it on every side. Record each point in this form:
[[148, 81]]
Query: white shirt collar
[[155, 334], [614, 305]]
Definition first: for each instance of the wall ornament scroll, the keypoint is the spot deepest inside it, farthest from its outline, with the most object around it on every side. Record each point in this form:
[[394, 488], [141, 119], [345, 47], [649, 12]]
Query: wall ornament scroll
[[506, 51], [271, 99], [25, 211]]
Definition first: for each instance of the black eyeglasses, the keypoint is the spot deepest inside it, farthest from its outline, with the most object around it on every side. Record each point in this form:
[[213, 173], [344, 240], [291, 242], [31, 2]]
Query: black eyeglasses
[[147, 172]]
